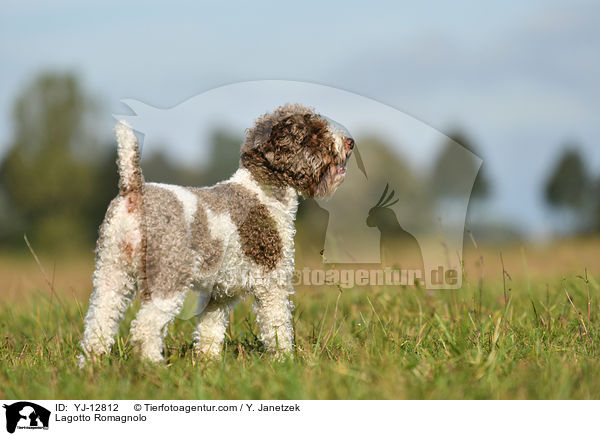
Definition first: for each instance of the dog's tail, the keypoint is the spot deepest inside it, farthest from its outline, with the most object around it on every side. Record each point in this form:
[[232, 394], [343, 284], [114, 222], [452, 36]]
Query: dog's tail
[[128, 160]]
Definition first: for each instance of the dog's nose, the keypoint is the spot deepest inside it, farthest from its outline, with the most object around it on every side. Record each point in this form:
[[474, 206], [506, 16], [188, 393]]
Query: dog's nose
[[349, 143]]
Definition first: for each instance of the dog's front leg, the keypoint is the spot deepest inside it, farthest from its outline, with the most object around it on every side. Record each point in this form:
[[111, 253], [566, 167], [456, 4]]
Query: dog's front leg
[[149, 328], [273, 310]]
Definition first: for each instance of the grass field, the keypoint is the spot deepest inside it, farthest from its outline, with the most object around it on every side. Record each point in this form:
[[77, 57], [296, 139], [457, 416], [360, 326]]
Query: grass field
[[530, 333]]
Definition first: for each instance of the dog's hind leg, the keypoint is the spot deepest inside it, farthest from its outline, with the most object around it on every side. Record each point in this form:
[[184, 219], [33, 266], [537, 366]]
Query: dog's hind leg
[[118, 254], [210, 333], [149, 328]]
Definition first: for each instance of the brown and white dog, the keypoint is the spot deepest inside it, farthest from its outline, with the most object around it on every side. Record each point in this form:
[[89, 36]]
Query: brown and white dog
[[224, 242]]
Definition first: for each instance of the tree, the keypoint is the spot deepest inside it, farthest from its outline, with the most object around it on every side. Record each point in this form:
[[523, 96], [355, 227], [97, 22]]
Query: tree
[[596, 213], [48, 175], [224, 158], [451, 166], [568, 182], [570, 188]]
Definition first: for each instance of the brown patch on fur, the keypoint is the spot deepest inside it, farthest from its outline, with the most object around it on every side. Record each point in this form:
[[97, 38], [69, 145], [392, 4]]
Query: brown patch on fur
[[290, 147], [135, 183], [127, 248], [209, 249], [257, 228], [168, 255], [260, 239], [134, 201]]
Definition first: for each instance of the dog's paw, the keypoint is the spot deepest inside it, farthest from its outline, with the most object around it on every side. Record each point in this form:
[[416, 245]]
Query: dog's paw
[[282, 355], [81, 361], [207, 353]]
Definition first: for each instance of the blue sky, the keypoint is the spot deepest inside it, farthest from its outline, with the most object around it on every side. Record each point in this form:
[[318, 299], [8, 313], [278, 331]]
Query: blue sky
[[520, 77]]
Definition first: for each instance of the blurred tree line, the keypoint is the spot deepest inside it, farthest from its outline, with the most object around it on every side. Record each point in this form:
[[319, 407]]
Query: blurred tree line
[[53, 178], [57, 176]]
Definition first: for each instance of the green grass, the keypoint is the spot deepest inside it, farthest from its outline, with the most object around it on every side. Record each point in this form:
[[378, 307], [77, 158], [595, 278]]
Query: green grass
[[363, 343]]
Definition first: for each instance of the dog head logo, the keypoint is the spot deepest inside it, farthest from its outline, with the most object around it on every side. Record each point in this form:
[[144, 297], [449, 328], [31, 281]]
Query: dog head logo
[[26, 415], [419, 226]]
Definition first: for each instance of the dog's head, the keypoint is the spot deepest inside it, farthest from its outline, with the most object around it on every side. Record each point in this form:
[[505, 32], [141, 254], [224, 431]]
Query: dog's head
[[294, 146]]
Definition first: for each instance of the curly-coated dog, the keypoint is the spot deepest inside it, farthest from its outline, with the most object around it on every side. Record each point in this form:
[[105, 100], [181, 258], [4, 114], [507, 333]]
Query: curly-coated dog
[[224, 242]]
